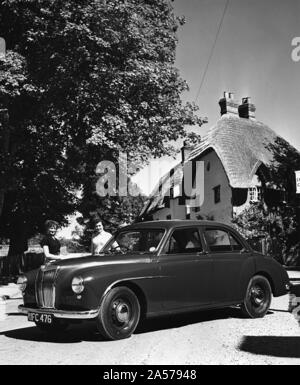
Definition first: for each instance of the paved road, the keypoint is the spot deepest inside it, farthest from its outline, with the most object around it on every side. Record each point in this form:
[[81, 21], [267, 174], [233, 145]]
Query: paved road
[[215, 337]]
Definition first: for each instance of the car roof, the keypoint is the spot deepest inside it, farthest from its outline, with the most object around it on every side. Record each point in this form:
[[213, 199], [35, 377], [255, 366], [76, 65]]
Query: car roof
[[175, 223]]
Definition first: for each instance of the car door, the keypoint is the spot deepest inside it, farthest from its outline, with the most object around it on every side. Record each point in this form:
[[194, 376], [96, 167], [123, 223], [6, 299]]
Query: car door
[[232, 263], [187, 270]]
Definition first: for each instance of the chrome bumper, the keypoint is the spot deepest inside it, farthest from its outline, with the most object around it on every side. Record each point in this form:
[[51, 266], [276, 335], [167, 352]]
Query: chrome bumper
[[81, 315]]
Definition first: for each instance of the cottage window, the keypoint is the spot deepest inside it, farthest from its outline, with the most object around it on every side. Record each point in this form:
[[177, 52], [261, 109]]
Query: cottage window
[[217, 194], [254, 194], [188, 212], [176, 191]]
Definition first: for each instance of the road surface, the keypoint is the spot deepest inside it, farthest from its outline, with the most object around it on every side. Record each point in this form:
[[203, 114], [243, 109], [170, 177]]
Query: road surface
[[214, 337]]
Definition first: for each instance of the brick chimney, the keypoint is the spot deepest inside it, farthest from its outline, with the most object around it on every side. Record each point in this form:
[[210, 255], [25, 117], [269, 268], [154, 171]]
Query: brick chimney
[[247, 109], [228, 104], [186, 150]]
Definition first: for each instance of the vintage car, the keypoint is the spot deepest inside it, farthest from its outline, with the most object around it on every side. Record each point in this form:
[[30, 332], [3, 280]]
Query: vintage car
[[151, 269]]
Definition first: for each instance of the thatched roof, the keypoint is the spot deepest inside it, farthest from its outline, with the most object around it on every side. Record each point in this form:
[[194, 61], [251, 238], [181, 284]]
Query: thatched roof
[[168, 181], [241, 145]]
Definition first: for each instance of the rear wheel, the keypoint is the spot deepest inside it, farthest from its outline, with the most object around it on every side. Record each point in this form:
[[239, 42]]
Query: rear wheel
[[119, 314], [258, 298]]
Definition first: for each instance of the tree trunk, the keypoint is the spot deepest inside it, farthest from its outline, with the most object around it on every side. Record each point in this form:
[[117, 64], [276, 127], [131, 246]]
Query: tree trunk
[[2, 193], [4, 148], [17, 246]]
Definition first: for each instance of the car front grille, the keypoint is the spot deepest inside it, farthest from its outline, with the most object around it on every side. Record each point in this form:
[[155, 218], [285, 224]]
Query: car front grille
[[45, 287]]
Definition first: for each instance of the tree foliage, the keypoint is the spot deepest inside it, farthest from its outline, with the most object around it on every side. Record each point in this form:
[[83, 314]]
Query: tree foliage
[[83, 81], [279, 222], [113, 212]]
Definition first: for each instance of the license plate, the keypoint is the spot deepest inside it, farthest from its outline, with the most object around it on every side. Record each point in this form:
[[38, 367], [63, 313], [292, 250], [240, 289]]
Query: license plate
[[40, 318]]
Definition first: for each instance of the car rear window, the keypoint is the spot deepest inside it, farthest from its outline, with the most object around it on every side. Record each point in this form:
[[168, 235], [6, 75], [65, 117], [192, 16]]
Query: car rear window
[[221, 241], [235, 243]]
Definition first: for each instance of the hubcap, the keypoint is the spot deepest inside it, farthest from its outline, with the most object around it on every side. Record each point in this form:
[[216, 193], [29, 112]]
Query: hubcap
[[121, 312], [257, 296]]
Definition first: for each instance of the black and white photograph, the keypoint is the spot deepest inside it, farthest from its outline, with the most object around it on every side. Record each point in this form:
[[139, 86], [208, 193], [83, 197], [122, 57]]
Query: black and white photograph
[[149, 185]]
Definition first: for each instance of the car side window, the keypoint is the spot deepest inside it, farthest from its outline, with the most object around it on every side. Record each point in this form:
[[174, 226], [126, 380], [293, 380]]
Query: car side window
[[235, 243], [185, 241], [218, 240]]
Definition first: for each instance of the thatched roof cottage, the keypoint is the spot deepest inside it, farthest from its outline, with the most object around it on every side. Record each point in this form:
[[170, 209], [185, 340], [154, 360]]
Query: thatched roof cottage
[[234, 155]]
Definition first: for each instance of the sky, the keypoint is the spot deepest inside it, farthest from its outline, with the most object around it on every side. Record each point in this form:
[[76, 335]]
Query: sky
[[252, 57]]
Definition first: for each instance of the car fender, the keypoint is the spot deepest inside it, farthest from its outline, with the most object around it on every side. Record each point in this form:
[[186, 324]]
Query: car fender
[[139, 277], [274, 272]]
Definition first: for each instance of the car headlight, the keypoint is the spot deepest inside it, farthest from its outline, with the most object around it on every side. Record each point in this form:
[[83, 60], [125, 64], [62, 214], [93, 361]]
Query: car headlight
[[77, 285], [22, 282]]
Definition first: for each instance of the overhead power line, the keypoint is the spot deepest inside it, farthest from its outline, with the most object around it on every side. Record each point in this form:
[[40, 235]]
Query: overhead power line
[[212, 50]]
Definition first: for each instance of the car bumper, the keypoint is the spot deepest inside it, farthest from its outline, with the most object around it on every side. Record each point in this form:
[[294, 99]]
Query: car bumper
[[63, 314]]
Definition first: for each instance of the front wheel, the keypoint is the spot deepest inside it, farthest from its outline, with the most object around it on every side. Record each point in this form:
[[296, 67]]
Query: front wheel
[[119, 314], [258, 298]]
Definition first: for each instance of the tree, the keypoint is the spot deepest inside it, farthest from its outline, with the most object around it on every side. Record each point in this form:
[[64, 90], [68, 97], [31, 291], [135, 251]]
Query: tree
[[282, 174], [278, 221], [113, 212], [14, 89], [96, 78]]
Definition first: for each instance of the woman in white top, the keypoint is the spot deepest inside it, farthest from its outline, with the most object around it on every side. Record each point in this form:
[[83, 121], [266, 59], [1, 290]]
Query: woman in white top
[[100, 239]]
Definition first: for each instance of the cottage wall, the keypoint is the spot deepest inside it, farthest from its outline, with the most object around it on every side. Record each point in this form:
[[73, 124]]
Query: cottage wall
[[214, 176], [176, 211]]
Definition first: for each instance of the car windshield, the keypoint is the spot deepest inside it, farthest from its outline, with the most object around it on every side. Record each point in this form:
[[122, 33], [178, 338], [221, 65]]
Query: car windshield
[[135, 241]]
